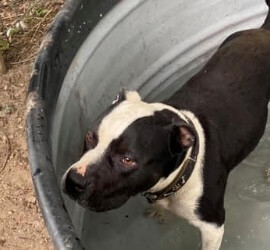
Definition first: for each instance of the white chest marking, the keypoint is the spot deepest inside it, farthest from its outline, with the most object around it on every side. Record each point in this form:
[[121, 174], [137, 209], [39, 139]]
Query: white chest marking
[[185, 201]]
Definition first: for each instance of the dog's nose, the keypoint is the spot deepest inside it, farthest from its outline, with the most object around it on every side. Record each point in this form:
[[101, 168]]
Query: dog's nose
[[74, 183]]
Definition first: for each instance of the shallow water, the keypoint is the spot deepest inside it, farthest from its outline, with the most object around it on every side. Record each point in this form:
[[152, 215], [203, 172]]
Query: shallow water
[[247, 216]]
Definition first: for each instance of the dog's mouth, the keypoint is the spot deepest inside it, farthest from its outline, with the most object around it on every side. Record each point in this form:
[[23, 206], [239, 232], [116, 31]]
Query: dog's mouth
[[100, 204], [98, 200]]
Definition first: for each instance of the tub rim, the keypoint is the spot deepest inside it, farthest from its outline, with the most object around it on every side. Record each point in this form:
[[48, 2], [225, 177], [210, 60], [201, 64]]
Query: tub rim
[[38, 115], [54, 213]]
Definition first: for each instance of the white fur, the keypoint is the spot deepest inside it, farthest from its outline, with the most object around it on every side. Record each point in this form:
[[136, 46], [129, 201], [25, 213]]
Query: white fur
[[211, 235], [132, 96]]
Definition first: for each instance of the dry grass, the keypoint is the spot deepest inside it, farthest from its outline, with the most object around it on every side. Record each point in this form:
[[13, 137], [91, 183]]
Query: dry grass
[[37, 15]]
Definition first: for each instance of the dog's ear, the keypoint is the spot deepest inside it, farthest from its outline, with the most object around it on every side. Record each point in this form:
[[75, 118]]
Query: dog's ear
[[129, 95], [182, 138], [186, 136], [132, 95]]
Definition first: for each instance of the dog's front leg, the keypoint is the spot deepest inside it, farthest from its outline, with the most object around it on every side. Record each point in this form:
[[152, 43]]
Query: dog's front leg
[[211, 235]]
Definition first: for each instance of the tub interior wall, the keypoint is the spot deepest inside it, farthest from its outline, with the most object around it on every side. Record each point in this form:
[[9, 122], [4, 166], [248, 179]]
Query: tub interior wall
[[154, 46]]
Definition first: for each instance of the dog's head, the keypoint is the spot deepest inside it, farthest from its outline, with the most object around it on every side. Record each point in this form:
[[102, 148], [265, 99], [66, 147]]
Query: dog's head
[[133, 146]]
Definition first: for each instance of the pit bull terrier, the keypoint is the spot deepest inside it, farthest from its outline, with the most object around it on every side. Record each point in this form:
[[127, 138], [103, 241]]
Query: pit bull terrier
[[179, 153]]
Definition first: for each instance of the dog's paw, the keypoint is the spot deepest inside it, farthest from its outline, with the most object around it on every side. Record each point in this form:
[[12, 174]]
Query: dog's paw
[[156, 213]]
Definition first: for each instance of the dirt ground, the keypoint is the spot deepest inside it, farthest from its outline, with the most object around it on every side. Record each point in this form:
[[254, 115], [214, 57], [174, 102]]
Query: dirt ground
[[21, 224]]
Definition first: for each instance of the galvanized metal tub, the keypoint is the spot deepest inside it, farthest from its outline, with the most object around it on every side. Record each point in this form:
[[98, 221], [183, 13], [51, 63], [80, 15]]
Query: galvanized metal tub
[[93, 50]]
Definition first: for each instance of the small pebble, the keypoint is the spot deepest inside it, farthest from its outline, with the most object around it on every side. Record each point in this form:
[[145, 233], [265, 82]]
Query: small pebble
[[21, 25], [31, 199]]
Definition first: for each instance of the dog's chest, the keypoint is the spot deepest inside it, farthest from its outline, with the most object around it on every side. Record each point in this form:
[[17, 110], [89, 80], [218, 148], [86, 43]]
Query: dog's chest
[[184, 203]]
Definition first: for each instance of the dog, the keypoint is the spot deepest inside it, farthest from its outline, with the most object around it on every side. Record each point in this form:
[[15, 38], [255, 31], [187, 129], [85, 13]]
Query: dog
[[179, 153]]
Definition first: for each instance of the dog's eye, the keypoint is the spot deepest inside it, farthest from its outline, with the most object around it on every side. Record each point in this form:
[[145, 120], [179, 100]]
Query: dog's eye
[[128, 162], [90, 140]]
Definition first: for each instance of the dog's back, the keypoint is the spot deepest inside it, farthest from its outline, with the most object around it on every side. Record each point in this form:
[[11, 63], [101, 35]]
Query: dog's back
[[231, 92], [229, 96], [244, 60]]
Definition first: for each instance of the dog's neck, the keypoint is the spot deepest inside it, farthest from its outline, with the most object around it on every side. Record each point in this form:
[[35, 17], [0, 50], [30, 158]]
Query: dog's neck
[[165, 182], [178, 178]]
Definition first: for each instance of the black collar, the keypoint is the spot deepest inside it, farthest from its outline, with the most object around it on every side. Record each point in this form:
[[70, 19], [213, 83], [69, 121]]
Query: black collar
[[183, 175]]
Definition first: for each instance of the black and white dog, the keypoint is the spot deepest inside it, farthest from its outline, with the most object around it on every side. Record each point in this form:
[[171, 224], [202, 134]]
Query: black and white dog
[[179, 153]]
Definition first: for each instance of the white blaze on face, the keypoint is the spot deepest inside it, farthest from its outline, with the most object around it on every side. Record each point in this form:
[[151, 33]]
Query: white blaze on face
[[114, 124]]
